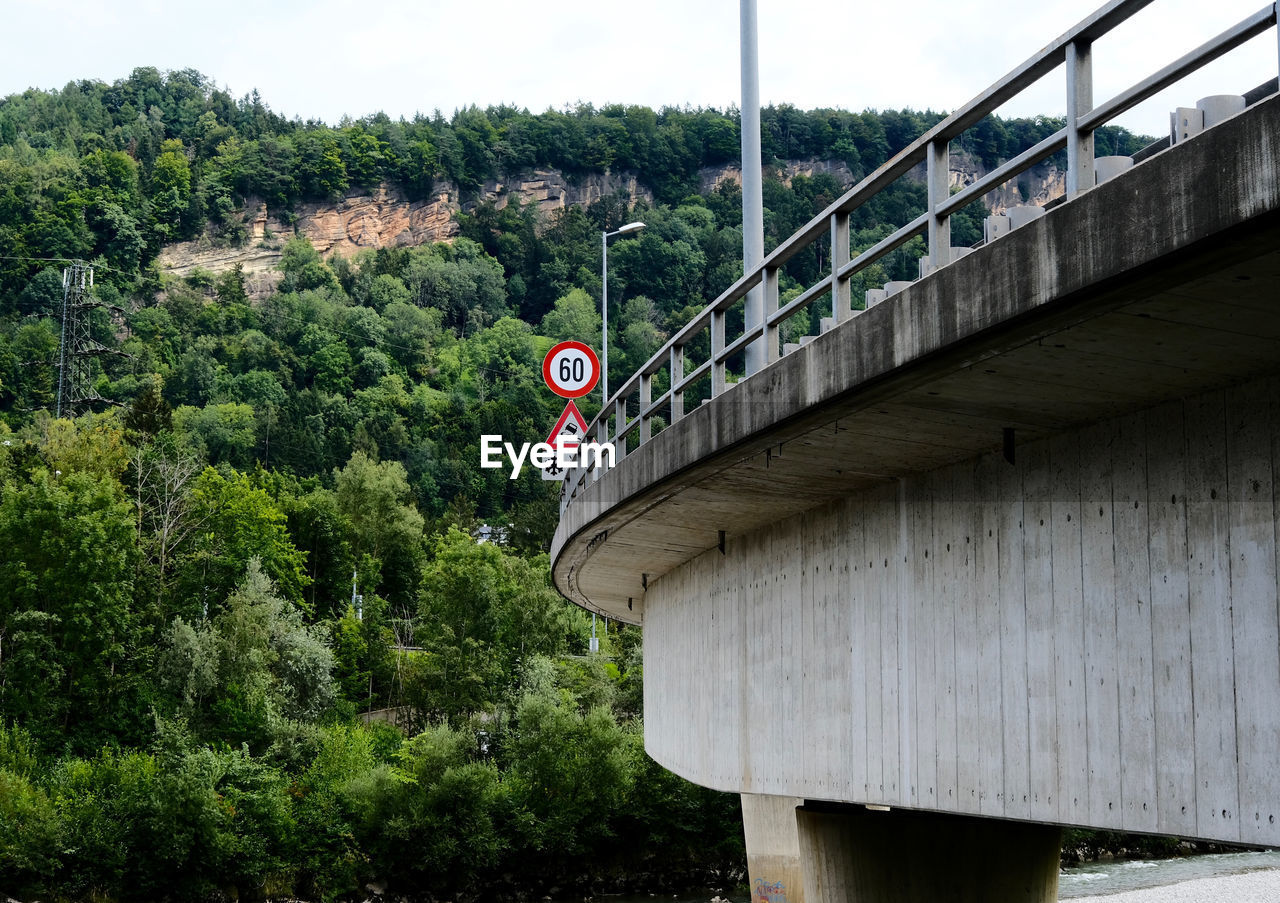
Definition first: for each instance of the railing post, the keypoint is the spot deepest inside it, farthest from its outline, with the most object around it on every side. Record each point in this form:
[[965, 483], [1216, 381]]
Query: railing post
[[841, 305], [619, 424], [717, 349], [771, 348], [939, 176], [1079, 101], [677, 374], [602, 435], [646, 398]]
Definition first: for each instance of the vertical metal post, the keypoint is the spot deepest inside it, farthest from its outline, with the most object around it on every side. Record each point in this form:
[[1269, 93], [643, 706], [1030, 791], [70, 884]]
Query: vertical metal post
[[939, 164], [770, 308], [717, 349], [1079, 101], [752, 179], [604, 321], [841, 303], [677, 374], [620, 424], [646, 398]]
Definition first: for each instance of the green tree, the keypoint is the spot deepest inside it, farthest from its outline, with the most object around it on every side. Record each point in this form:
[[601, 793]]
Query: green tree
[[565, 769], [237, 675], [170, 189], [66, 603], [483, 611], [238, 523], [575, 317], [386, 529], [303, 267], [220, 432]]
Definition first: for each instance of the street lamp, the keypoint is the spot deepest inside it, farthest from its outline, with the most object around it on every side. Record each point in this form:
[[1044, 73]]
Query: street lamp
[[752, 197], [604, 309]]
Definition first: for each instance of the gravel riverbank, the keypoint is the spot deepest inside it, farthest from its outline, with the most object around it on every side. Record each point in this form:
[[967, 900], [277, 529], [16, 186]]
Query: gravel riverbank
[[1248, 887]]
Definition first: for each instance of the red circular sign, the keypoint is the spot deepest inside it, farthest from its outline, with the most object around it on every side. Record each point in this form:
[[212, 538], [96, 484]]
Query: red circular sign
[[571, 369]]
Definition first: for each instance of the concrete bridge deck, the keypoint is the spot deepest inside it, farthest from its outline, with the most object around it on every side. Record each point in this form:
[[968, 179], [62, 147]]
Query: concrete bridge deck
[[1151, 286], [998, 554]]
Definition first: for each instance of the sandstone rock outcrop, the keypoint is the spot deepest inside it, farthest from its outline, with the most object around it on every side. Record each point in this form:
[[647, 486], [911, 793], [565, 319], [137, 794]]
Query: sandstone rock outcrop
[[711, 177], [386, 218]]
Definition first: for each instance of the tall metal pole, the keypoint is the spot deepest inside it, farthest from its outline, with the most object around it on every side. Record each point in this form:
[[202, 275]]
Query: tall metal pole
[[752, 191], [604, 307], [604, 324]]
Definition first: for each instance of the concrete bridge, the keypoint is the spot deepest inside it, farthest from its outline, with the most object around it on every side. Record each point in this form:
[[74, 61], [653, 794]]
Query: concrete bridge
[[995, 555]]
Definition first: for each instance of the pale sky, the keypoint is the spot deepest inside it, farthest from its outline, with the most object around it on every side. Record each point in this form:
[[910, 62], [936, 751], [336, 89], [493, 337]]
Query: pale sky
[[322, 58]]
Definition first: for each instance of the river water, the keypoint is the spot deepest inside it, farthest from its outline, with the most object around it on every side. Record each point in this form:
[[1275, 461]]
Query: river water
[[1212, 879], [1224, 878]]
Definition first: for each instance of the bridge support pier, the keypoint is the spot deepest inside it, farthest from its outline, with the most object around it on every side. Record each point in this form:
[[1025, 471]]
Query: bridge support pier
[[849, 853], [773, 848]]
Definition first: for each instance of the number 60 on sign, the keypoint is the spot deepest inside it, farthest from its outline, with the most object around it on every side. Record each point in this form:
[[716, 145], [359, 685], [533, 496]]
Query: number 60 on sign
[[571, 369]]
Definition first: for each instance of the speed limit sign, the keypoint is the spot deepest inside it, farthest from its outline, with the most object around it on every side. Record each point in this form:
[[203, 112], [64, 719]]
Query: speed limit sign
[[571, 369]]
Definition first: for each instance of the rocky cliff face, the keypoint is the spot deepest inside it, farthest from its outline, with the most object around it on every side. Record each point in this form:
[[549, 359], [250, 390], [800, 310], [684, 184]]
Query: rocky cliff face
[[1038, 185], [710, 178], [385, 218]]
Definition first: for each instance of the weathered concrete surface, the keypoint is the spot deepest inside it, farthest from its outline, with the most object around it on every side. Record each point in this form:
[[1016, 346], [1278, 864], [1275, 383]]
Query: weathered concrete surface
[[1089, 636], [1155, 284], [772, 838]]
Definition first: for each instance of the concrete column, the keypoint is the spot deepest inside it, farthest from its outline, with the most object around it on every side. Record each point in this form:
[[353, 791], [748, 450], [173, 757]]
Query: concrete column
[[773, 848], [857, 855]]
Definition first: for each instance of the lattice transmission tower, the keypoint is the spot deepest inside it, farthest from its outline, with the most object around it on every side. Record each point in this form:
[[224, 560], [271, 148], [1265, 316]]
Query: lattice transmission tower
[[78, 348]]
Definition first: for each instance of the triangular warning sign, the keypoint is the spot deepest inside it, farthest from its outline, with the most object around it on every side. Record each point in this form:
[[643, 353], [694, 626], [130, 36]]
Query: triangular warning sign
[[567, 433], [570, 422]]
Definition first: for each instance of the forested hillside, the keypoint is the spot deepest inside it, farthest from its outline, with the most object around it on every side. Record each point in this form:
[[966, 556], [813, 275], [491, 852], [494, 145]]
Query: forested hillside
[[183, 664]]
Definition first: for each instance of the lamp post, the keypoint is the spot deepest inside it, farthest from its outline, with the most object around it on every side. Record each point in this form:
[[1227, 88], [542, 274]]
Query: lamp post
[[604, 308], [752, 190]]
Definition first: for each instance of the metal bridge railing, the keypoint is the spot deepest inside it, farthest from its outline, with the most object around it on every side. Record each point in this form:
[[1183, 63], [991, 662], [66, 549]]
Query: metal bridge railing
[[676, 357]]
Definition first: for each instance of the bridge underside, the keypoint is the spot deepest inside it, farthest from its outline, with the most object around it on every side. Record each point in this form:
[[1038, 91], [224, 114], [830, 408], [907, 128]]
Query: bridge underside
[[1004, 545]]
